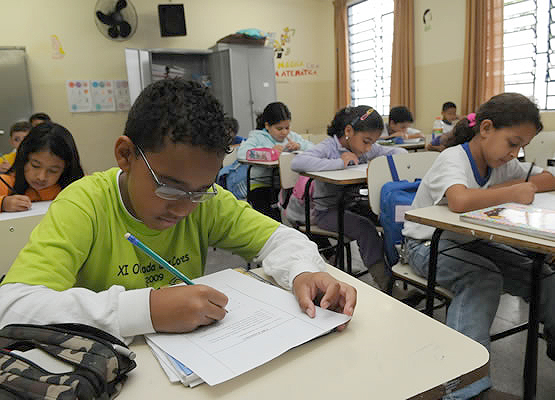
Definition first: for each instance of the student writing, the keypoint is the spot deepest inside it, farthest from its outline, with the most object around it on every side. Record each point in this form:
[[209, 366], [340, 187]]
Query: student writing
[[399, 126], [47, 161], [448, 120], [353, 133], [482, 170], [77, 267], [273, 130]]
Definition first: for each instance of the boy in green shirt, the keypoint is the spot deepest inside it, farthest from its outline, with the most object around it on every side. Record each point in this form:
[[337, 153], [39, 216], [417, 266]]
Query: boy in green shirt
[[77, 267]]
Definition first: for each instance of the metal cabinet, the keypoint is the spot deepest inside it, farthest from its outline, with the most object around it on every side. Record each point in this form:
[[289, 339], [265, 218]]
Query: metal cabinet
[[241, 77], [15, 90]]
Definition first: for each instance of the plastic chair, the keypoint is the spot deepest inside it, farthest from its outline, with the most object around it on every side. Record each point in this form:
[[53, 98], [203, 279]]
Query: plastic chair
[[288, 179], [410, 166], [540, 149]]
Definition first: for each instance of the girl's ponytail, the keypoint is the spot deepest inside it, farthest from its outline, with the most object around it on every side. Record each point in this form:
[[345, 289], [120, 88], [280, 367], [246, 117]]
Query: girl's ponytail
[[465, 130]]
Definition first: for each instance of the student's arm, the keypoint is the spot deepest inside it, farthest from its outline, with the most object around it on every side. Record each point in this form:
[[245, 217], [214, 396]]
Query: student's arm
[[285, 253], [294, 262], [303, 143], [462, 199], [15, 202], [316, 159]]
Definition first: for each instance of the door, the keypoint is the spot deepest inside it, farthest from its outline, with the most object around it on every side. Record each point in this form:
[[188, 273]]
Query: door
[[262, 81], [139, 76], [219, 69], [15, 101]]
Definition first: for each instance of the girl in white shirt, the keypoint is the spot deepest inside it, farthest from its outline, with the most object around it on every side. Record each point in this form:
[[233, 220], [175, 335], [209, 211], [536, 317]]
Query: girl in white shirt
[[482, 170]]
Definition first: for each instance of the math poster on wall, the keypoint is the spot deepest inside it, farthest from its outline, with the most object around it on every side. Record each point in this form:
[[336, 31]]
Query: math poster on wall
[[102, 94], [79, 96]]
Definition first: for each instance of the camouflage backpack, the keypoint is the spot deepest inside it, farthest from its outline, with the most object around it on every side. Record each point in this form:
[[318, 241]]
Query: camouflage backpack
[[94, 363]]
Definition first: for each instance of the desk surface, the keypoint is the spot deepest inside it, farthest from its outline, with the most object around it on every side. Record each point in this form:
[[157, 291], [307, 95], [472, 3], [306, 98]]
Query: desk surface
[[348, 176], [270, 164], [389, 351], [442, 217]]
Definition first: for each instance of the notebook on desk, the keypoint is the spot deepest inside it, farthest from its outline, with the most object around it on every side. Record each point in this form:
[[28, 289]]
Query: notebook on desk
[[513, 217]]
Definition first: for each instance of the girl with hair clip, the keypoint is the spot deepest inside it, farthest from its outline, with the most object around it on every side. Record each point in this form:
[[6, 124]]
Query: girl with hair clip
[[353, 133], [272, 131], [480, 169], [46, 162]]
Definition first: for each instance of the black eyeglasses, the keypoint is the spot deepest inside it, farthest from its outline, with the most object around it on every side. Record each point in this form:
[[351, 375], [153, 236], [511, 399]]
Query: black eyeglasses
[[167, 192]]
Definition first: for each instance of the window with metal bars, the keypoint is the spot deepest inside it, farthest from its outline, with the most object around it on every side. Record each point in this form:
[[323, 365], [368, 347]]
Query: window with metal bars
[[370, 33], [528, 43]]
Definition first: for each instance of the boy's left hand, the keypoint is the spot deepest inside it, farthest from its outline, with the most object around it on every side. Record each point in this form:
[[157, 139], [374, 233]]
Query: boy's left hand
[[334, 295]]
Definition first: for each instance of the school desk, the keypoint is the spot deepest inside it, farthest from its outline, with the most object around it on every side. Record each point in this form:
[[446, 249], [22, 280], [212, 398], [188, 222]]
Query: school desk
[[388, 351], [441, 218], [272, 165], [344, 178], [15, 228]]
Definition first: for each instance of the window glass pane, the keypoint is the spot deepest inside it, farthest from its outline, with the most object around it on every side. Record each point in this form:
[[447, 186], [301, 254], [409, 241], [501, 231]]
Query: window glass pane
[[370, 32]]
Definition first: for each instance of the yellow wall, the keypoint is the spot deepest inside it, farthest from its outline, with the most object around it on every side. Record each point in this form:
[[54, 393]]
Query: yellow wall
[[438, 54], [89, 55]]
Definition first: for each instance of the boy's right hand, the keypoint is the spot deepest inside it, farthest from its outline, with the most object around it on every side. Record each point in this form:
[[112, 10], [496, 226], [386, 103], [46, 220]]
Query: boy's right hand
[[524, 192], [185, 308], [17, 202], [348, 157]]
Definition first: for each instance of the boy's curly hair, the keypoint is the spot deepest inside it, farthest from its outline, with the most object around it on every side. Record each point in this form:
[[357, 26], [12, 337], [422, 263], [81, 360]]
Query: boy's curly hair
[[184, 111]]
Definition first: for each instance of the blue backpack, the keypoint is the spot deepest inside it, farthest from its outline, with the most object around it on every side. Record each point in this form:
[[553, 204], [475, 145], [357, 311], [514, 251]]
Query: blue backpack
[[395, 198], [234, 178]]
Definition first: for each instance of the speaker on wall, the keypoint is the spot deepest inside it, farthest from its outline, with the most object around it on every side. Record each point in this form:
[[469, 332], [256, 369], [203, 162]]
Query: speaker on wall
[[172, 20]]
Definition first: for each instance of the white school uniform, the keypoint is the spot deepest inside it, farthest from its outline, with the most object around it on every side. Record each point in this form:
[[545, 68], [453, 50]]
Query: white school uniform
[[456, 166]]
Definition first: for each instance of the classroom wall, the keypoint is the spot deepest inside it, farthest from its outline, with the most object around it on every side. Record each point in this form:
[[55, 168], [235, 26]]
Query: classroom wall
[[88, 55], [438, 54], [439, 58]]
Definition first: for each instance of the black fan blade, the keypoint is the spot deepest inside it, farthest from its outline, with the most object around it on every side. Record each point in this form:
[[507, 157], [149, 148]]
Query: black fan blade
[[113, 31], [105, 19], [121, 4], [124, 29]]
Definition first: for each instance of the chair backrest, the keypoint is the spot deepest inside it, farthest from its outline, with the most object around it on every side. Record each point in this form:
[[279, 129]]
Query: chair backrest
[[540, 149], [231, 157], [410, 166], [287, 176]]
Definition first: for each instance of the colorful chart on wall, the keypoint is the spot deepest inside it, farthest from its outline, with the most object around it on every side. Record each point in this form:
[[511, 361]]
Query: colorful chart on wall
[[121, 91], [102, 93], [79, 96]]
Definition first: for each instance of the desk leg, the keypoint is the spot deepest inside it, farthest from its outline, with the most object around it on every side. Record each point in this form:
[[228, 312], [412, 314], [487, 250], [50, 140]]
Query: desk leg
[[531, 358], [341, 232], [249, 185], [432, 268]]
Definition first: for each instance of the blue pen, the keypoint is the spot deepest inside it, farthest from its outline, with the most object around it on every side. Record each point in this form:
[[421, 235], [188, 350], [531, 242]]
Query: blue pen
[[158, 259]]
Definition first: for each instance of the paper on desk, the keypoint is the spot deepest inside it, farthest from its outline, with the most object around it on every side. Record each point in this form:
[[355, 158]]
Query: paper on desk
[[262, 322], [544, 200], [361, 167], [37, 208]]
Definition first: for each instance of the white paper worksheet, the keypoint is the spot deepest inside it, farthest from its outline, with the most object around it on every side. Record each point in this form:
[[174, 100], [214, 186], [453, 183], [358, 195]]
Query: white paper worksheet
[[262, 322]]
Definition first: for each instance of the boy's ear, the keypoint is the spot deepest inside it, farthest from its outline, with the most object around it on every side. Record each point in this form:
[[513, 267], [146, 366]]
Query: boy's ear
[[125, 152]]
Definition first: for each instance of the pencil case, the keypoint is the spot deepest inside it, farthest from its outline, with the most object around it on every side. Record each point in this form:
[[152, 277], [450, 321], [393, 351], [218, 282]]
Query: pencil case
[[61, 362], [262, 154]]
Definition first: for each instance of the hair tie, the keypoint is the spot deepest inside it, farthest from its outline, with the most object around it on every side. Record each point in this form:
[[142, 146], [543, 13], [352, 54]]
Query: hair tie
[[471, 119], [362, 117]]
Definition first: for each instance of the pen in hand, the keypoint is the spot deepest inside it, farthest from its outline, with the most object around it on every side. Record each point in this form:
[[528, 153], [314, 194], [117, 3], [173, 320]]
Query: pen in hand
[[158, 259], [530, 171], [148, 251]]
